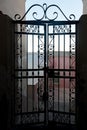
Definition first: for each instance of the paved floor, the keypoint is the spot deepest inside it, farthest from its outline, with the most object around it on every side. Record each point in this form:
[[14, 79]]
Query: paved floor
[[50, 126]]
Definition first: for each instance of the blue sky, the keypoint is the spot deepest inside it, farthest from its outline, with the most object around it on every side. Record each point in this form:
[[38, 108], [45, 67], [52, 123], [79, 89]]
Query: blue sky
[[67, 6]]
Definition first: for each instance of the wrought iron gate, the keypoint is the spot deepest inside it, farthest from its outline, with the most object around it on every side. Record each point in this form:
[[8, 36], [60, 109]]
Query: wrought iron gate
[[45, 70]]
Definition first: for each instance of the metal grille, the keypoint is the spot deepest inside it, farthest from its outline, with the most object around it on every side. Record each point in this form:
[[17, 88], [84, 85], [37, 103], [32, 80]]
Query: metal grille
[[45, 72]]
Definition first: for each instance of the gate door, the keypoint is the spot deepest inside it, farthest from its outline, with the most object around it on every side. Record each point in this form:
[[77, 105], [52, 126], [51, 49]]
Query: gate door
[[45, 71]]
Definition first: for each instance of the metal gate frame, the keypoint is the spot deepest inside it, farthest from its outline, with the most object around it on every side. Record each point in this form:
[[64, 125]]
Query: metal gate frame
[[50, 73]]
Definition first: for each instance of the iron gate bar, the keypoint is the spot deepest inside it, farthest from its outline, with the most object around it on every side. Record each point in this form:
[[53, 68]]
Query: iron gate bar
[[54, 73], [38, 73], [31, 22], [44, 68], [64, 71], [58, 70], [67, 77], [71, 77], [76, 75], [21, 67], [35, 76], [42, 34]]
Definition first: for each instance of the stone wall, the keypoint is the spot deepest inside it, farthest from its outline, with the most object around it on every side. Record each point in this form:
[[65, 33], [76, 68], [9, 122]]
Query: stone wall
[[82, 73], [6, 32], [84, 6], [12, 7]]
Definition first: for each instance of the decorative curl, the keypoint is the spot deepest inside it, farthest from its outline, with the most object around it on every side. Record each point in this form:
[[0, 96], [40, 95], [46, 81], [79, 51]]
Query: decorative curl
[[17, 17], [55, 14], [36, 14], [72, 17]]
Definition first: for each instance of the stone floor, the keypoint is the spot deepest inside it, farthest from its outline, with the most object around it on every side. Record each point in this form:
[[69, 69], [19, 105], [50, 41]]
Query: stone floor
[[50, 126]]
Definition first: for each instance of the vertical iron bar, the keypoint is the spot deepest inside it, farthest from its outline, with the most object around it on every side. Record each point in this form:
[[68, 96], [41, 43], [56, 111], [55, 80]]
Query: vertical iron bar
[[69, 76], [27, 96], [38, 69], [53, 70], [14, 79], [27, 72], [76, 74], [21, 67], [32, 72], [59, 71], [64, 70], [75, 71], [45, 72]]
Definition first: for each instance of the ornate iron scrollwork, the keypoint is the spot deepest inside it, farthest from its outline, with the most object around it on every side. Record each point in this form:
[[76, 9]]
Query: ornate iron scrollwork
[[17, 17], [44, 15]]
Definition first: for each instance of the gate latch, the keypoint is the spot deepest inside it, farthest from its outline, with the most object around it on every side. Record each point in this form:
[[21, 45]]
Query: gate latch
[[45, 96]]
